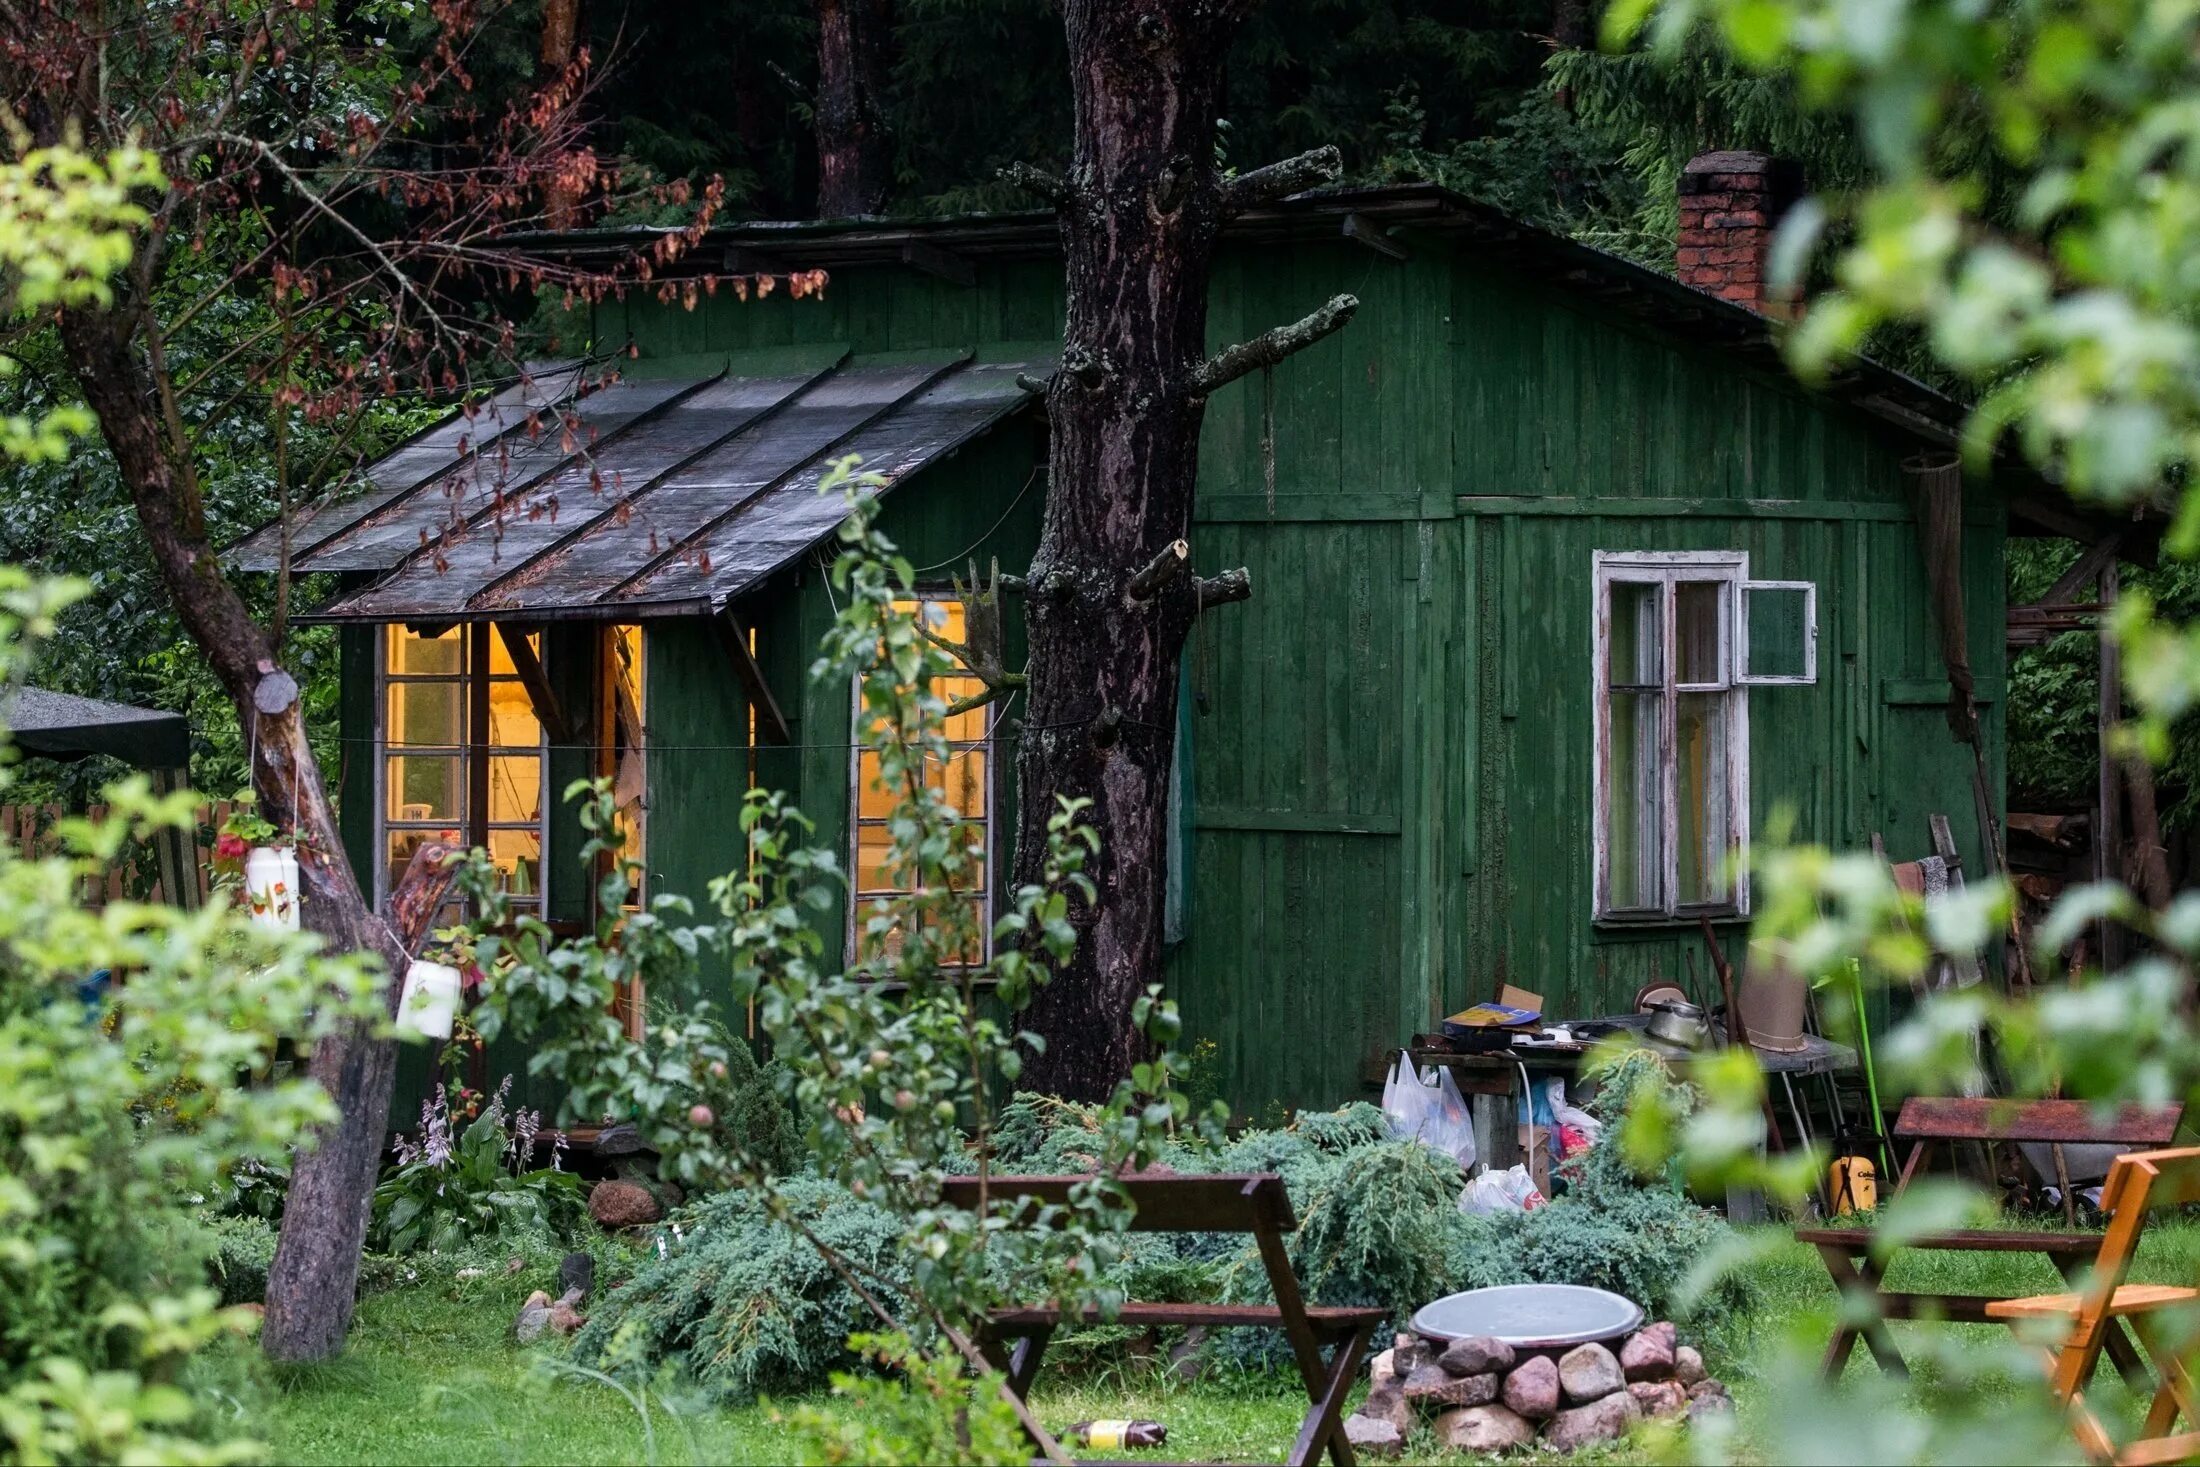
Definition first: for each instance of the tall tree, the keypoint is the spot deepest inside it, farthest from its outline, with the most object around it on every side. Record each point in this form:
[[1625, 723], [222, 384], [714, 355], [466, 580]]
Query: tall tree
[[1111, 595], [855, 150], [285, 138]]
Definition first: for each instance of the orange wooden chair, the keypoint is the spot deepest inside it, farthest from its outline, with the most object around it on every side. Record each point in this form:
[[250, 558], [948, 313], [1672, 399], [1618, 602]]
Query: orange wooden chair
[[2137, 1184]]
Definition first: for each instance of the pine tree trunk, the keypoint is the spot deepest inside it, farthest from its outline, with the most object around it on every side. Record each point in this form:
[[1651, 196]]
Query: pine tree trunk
[[315, 1276], [561, 21], [1139, 222], [855, 159]]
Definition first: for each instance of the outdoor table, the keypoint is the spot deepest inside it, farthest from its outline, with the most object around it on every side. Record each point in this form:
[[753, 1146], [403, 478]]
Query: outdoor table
[[1499, 1072], [1530, 1316]]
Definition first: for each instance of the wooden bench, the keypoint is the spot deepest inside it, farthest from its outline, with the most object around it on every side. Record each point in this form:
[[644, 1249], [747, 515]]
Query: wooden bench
[[1924, 1123], [1015, 1339]]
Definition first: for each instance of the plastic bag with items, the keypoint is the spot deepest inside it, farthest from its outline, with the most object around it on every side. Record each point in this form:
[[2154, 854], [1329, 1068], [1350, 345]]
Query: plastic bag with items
[[1426, 1106], [1512, 1190]]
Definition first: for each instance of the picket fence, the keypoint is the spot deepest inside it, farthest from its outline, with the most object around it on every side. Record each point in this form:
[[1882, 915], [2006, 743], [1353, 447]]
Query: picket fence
[[136, 875]]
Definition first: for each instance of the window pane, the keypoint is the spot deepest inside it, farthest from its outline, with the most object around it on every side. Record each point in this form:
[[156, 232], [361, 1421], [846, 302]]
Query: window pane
[[873, 846], [515, 789], [967, 727], [442, 656], [500, 660], [1779, 631], [517, 855], [1700, 789], [1636, 633], [432, 714], [961, 780], [873, 800], [512, 721], [1636, 820], [402, 844], [1699, 620], [426, 787]]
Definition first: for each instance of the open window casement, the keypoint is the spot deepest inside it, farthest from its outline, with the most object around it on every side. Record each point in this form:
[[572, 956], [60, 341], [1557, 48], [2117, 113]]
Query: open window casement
[[1777, 641]]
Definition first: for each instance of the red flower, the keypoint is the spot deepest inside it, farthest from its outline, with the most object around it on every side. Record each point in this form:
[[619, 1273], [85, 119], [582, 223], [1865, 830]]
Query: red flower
[[473, 978], [229, 847]]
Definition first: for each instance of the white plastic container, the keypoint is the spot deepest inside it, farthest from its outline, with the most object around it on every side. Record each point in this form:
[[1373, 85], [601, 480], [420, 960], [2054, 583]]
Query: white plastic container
[[429, 1003], [271, 885]]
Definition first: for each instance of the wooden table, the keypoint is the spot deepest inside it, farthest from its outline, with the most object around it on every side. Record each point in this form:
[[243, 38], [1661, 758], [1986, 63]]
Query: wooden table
[[1925, 1122]]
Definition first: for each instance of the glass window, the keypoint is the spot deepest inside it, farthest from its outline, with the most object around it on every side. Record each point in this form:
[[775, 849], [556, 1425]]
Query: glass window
[[462, 753], [964, 779], [1672, 768]]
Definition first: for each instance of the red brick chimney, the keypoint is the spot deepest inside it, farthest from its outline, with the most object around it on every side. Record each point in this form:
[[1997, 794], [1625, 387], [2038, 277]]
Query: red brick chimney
[[1730, 203]]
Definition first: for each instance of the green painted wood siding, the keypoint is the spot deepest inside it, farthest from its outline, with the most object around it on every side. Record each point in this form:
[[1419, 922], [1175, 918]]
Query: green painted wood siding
[[1391, 794]]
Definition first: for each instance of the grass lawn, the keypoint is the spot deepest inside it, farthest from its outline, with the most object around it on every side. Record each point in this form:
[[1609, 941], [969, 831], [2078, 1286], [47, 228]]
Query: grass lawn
[[433, 1376]]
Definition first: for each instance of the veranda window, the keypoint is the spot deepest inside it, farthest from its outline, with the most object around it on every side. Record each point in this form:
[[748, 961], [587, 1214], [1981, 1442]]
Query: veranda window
[[462, 753], [1674, 663], [966, 781]]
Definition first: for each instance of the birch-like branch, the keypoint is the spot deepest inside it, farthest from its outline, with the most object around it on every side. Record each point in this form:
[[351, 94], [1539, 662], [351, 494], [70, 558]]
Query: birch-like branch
[[1032, 180], [1282, 179], [1271, 347]]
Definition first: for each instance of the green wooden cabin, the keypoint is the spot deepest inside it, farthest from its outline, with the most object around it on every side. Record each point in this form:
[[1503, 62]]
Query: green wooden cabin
[[1508, 690]]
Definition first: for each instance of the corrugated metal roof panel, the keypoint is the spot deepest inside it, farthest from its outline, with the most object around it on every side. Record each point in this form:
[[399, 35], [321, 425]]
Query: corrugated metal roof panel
[[666, 495]]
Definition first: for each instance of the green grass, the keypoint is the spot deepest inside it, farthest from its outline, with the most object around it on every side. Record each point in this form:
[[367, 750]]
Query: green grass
[[432, 1376]]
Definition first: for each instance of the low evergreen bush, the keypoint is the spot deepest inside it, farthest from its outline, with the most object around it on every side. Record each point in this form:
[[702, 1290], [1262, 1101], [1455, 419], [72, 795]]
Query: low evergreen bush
[[742, 1303]]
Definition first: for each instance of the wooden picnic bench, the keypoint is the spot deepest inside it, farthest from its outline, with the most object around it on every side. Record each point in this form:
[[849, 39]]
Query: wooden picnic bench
[[1926, 1122], [1015, 1339]]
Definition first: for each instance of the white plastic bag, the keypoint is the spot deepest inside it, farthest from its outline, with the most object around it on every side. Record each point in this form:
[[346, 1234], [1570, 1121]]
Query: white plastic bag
[[1495, 1191], [1403, 1098], [1426, 1106]]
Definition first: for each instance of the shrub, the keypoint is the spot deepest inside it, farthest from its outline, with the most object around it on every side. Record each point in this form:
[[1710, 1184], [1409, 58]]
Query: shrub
[[742, 1300], [241, 1250], [444, 1193]]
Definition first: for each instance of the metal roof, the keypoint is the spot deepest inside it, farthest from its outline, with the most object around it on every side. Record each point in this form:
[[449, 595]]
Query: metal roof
[[570, 497], [65, 727]]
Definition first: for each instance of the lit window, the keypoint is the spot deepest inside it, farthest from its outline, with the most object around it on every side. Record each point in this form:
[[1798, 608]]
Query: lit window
[[461, 755], [965, 779], [1680, 639]]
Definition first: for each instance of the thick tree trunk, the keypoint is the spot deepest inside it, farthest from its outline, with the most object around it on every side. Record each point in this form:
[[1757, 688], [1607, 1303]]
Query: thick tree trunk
[[855, 157], [315, 1276], [1140, 211]]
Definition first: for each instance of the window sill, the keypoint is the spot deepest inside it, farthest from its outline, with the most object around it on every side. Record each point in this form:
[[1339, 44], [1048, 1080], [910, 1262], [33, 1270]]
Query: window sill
[[1631, 929]]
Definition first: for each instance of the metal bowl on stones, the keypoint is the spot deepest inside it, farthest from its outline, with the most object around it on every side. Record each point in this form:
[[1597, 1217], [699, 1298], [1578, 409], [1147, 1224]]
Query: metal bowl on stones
[[1530, 1316]]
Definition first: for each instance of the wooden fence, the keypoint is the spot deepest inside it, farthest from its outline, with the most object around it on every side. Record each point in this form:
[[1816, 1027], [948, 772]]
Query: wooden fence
[[136, 875]]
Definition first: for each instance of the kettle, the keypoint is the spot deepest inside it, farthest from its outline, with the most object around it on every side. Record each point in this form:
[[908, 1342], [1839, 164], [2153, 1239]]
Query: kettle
[[1678, 1022]]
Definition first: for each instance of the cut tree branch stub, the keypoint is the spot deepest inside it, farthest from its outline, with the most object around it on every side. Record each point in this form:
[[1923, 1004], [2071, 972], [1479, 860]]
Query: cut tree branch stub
[[1231, 585], [1174, 559], [1271, 347], [1033, 180], [1282, 179]]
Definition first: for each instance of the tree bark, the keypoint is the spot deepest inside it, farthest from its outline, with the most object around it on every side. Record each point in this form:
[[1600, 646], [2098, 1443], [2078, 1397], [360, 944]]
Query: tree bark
[[315, 1275], [561, 21], [1140, 208], [855, 159]]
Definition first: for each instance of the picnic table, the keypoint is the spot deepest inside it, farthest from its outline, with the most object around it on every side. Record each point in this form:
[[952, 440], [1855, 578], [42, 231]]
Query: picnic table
[[1925, 1122], [1015, 1339]]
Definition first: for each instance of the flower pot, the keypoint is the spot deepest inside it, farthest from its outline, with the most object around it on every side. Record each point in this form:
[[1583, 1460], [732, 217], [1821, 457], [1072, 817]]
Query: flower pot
[[429, 1003], [271, 886]]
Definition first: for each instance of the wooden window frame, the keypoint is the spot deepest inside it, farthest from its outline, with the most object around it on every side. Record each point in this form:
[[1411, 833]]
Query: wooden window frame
[[473, 752], [859, 899], [1666, 568]]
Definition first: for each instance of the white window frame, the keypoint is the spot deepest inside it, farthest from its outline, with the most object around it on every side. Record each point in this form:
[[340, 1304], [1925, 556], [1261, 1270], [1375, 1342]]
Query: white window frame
[[1665, 568], [464, 751], [1742, 675], [859, 901]]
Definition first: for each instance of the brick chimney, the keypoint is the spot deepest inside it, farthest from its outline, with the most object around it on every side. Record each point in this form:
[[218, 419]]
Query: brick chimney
[[1730, 203]]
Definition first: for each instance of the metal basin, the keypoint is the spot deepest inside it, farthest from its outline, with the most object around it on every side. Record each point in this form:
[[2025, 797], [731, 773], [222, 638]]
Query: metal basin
[[1531, 1316]]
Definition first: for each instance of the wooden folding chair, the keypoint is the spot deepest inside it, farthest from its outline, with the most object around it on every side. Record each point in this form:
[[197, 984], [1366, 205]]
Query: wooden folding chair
[[2137, 1185]]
